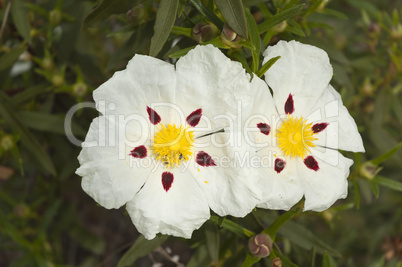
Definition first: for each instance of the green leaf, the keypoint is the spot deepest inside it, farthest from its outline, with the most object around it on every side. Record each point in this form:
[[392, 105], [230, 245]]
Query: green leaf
[[281, 220], [279, 17], [250, 260], [19, 13], [212, 238], [233, 12], [255, 40], [29, 141], [286, 262], [207, 13], [392, 184], [48, 122], [249, 3], [267, 65], [328, 261], [107, 8], [8, 59], [239, 55], [334, 13], [139, 249], [165, 18], [386, 155], [233, 227]]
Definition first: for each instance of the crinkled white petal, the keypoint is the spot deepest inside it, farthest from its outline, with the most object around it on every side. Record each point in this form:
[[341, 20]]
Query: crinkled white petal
[[110, 176], [341, 132], [178, 212], [303, 71], [207, 79], [145, 80], [230, 186], [279, 190], [329, 183]]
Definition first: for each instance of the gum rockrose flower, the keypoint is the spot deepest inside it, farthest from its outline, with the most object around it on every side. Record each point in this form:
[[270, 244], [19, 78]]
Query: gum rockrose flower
[[301, 129], [160, 146]]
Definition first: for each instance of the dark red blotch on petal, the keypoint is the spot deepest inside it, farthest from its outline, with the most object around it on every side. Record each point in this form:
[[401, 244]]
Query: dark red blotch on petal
[[167, 180], [279, 165], [194, 118], [264, 128], [311, 163], [139, 152], [153, 116], [289, 105], [318, 127], [204, 159]]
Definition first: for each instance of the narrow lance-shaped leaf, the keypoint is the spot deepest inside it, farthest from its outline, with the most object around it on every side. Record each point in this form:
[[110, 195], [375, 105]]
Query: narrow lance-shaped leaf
[[267, 65], [255, 40], [386, 155], [278, 18], [250, 260], [281, 220], [233, 12], [233, 227], [19, 13], [165, 18], [28, 140], [107, 8], [207, 13], [392, 184], [140, 248]]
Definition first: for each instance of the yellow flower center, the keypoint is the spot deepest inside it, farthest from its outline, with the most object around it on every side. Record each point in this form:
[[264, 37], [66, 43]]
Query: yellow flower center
[[173, 145], [295, 137]]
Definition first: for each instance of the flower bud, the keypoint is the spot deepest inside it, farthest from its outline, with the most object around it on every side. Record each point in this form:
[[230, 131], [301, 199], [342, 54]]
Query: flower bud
[[203, 32], [260, 245], [55, 17], [280, 27], [396, 31], [277, 262], [57, 80], [7, 142], [368, 170], [374, 30], [80, 89], [229, 37]]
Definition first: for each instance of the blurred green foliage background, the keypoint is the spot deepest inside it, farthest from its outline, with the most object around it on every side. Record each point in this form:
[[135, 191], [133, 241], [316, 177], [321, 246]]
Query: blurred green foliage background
[[53, 54]]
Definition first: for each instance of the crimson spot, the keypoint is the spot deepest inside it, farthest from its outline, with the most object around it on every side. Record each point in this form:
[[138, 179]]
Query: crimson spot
[[311, 163], [264, 128], [153, 116], [279, 165], [318, 127], [167, 180], [194, 118], [139, 152], [289, 108], [204, 159]]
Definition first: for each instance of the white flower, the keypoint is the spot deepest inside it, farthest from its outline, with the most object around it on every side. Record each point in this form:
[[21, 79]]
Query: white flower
[[149, 150], [305, 123]]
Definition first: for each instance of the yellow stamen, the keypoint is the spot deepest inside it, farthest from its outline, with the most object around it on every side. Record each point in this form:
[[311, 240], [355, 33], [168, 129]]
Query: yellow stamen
[[295, 137], [173, 145]]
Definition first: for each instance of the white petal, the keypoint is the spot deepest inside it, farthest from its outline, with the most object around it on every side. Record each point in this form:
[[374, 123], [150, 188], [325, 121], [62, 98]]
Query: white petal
[[328, 184], [146, 80], [303, 71], [207, 79], [110, 176], [178, 212], [230, 185], [280, 191], [342, 132]]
